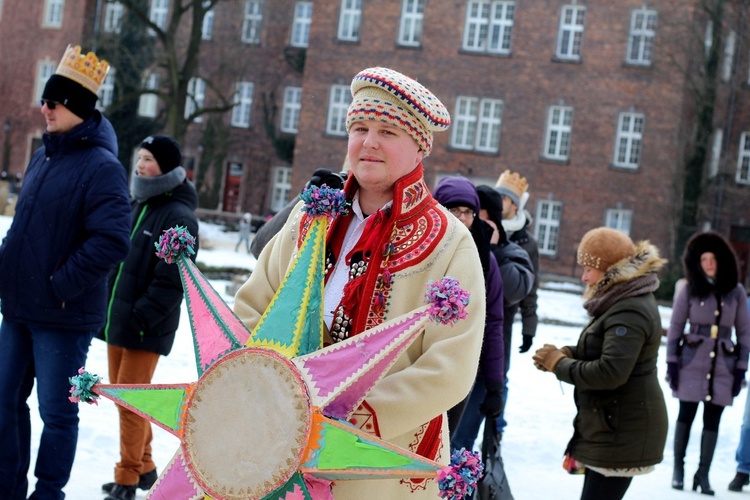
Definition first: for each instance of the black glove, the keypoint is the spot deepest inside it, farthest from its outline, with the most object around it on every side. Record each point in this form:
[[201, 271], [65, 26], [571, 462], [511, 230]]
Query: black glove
[[322, 176], [739, 381], [673, 375], [526, 344], [492, 406]]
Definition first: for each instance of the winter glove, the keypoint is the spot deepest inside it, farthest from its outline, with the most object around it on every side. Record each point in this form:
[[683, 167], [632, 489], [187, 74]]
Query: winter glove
[[324, 176], [739, 381], [526, 345], [547, 357], [673, 375], [492, 406]]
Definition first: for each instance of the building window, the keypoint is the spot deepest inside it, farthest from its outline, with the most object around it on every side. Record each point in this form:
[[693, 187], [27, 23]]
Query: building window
[[196, 95], [547, 231], [559, 130], [338, 104], [489, 26], [641, 40], [243, 103], [708, 40], [252, 21], [159, 11], [207, 28], [728, 61], [349, 20], [282, 186], [112, 17], [44, 70], [301, 24], [147, 103], [743, 160], [629, 139], [53, 13], [713, 166], [290, 109], [106, 91], [617, 218], [412, 17], [570, 34], [476, 124]]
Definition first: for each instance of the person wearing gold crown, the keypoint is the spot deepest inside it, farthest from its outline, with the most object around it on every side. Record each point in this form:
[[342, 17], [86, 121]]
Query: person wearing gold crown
[[71, 226], [394, 240]]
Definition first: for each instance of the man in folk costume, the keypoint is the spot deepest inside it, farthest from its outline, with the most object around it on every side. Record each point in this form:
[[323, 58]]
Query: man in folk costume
[[394, 240]]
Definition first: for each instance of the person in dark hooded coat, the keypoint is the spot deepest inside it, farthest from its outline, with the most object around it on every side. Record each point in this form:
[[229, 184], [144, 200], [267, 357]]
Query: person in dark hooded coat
[[704, 364]]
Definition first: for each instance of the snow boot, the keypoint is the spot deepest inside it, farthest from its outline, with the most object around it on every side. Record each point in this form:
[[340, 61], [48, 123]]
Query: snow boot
[[740, 480], [708, 445], [122, 492], [681, 436], [145, 482]]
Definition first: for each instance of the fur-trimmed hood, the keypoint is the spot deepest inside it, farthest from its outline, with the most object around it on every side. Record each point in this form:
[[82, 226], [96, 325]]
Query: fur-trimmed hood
[[645, 260], [727, 275]]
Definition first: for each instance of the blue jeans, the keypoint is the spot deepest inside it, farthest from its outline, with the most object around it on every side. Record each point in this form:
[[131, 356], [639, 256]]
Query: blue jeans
[[50, 356], [743, 449]]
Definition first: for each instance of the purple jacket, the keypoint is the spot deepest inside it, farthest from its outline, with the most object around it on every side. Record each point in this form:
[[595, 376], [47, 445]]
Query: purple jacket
[[692, 349]]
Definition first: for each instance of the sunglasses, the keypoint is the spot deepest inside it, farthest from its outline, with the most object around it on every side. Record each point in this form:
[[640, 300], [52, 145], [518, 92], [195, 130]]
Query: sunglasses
[[50, 104]]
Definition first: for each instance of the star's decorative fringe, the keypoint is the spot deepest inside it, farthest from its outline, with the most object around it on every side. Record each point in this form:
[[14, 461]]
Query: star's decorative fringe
[[82, 384], [324, 201], [175, 242], [459, 479], [447, 301]]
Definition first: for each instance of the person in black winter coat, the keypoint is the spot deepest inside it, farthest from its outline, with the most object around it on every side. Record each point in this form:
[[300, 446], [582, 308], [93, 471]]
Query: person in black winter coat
[[144, 300]]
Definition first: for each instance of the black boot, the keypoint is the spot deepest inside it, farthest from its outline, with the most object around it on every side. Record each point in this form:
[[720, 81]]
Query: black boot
[[145, 482], [708, 445], [740, 480], [681, 436], [121, 492]]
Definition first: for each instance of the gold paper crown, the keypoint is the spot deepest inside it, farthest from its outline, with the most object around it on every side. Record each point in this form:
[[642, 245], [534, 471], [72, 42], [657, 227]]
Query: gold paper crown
[[513, 182], [87, 70]]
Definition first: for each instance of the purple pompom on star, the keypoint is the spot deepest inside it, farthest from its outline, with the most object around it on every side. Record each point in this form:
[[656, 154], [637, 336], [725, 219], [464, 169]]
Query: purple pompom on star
[[459, 479], [175, 242], [324, 201], [82, 385], [447, 301]]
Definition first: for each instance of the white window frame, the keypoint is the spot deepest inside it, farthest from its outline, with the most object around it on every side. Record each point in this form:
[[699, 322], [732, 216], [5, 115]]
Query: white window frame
[[290, 110], [243, 104], [641, 37], [629, 140], [559, 131], [196, 96], [618, 218], [489, 26], [207, 28], [411, 24], [148, 103], [570, 32], [339, 99], [113, 13], [106, 91], [44, 70], [350, 20], [727, 62], [547, 226], [252, 21], [158, 13], [743, 160], [301, 24], [713, 165], [53, 13], [281, 188], [477, 124]]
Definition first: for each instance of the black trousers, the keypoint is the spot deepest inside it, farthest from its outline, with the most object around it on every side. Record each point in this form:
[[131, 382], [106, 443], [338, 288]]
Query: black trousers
[[599, 487]]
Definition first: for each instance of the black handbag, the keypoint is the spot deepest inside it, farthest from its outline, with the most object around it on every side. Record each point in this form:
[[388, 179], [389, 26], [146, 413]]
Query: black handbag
[[494, 483]]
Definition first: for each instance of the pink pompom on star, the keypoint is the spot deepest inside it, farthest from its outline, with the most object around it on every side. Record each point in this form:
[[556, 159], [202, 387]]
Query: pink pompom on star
[[175, 242], [447, 301], [459, 479], [82, 385], [324, 201]]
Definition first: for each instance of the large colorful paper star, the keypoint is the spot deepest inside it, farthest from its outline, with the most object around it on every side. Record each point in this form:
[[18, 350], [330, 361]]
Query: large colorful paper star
[[266, 418]]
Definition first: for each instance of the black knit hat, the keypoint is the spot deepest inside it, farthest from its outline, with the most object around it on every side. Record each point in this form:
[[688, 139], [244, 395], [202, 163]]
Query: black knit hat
[[74, 96], [166, 151], [727, 273]]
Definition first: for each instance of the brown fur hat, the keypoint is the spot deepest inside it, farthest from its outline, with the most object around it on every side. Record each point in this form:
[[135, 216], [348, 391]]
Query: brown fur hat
[[727, 274], [602, 247]]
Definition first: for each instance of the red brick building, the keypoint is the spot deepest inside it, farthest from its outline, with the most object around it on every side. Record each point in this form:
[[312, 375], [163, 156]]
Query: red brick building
[[590, 100]]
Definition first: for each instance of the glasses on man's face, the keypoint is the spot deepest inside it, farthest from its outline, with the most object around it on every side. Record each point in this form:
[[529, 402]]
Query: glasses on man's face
[[50, 104], [462, 212]]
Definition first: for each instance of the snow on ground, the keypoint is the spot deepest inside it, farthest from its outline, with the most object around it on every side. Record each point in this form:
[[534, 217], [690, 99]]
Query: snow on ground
[[540, 409]]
